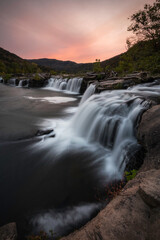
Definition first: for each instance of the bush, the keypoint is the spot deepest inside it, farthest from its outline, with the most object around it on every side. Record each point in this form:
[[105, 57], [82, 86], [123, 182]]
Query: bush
[[131, 174]]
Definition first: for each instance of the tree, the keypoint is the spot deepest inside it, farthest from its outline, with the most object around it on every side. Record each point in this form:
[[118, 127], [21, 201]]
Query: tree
[[97, 66], [146, 23]]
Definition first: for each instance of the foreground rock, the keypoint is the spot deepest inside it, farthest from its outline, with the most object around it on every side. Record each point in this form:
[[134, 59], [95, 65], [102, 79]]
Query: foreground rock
[[130, 215], [135, 213], [8, 232], [149, 137]]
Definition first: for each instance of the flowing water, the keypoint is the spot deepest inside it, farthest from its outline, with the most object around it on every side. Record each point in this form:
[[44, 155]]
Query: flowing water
[[50, 183], [64, 84]]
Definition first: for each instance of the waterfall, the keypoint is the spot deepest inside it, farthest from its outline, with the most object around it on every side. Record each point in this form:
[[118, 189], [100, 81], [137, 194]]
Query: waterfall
[[104, 127], [23, 83], [20, 83], [1, 80], [64, 84], [109, 120], [89, 92], [12, 81]]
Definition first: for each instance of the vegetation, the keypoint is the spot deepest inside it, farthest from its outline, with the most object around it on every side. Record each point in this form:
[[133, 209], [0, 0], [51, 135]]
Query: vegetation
[[97, 66], [141, 57], [43, 236], [131, 174], [143, 51], [146, 24], [12, 64]]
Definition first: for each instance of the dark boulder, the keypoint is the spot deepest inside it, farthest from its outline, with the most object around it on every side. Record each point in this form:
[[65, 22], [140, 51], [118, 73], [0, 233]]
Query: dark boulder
[[44, 132]]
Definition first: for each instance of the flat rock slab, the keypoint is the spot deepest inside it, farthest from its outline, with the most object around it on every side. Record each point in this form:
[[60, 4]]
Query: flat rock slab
[[8, 232]]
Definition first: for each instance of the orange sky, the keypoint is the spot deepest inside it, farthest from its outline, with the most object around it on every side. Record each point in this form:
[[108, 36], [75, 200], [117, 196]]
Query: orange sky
[[76, 30]]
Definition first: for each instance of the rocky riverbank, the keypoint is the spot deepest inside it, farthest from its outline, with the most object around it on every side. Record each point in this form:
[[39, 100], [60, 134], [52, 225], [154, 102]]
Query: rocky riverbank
[[102, 82], [30, 80]]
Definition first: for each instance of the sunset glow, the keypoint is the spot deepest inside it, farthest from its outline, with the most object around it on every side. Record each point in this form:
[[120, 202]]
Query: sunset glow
[[76, 30]]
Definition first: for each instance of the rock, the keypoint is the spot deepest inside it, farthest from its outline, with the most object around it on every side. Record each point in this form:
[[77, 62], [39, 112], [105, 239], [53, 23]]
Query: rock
[[127, 216], [44, 132], [150, 191], [8, 232], [149, 137], [110, 84]]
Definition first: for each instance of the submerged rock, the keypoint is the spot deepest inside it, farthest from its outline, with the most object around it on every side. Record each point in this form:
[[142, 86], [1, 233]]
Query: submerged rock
[[8, 232], [45, 132]]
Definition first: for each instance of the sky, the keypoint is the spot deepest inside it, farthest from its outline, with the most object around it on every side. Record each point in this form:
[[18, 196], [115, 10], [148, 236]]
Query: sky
[[76, 30]]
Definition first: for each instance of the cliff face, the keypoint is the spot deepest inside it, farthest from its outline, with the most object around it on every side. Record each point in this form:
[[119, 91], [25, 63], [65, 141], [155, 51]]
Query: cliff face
[[135, 213]]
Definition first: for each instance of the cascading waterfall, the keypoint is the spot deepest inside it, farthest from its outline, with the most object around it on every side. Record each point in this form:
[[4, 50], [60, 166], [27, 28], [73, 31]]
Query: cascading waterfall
[[108, 121], [12, 81], [64, 84], [23, 83], [89, 92], [1, 80], [20, 83]]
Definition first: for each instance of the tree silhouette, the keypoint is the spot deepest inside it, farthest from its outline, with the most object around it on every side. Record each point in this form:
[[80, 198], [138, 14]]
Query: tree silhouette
[[146, 23]]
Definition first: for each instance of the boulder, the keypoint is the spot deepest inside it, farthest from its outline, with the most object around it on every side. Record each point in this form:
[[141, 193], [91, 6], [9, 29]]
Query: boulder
[[149, 137], [8, 232], [44, 132], [127, 216]]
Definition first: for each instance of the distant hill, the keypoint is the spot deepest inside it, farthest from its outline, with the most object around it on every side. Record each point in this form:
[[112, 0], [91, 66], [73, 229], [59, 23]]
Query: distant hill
[[63, 66], [140, 57], [73, 67], [11, 63]]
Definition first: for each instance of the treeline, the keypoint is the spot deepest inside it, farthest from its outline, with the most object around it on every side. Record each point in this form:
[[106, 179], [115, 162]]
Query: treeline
[[141, 57], [12, 64]]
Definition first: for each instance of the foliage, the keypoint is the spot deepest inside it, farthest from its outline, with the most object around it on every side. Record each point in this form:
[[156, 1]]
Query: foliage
[[131, 174], [140, 57], [52, 72], [97, 66], [37, 77], [6, 76], [118, 86], [12, 64], [146, 23]]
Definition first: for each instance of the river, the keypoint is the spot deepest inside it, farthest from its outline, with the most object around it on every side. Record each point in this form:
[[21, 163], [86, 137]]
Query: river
[[51, 182]]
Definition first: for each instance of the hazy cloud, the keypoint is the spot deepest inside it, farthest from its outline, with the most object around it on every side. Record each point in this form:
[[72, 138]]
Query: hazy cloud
[[79, 30]]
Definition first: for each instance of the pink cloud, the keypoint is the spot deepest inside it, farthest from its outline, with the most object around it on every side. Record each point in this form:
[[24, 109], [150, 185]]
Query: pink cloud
[[78, 30]]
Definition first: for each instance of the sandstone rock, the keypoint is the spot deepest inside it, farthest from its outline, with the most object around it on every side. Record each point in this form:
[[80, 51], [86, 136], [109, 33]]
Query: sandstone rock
[[150, 191], [8, 232], [127, 216], [149, 137]]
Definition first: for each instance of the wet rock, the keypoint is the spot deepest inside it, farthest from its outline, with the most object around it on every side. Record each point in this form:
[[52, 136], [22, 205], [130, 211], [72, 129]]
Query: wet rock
[[8, 232], [45, 132]]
